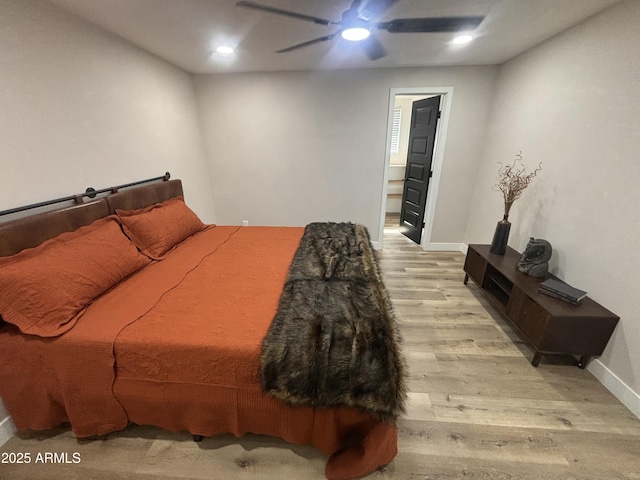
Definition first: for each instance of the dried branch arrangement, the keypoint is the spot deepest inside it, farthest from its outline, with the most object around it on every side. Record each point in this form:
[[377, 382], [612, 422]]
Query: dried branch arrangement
[[512, 180]]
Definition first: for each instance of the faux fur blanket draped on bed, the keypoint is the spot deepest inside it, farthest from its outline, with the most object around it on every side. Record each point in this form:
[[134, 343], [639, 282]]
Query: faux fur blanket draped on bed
[[334, 340]]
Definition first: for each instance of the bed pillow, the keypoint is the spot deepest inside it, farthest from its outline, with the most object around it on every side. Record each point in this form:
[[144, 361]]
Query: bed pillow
[[43, 289], [156, 229]]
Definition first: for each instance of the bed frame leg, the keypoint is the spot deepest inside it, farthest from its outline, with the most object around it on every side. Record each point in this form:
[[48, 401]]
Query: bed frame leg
[[197, 438]]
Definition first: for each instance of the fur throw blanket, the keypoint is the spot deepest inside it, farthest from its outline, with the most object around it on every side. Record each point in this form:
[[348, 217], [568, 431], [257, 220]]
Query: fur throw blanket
[[334, 340]]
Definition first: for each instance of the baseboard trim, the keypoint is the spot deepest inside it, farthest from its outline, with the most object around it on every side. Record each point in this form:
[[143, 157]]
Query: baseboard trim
[[7, 430], [376, 245], [616, 386], [445, 247]]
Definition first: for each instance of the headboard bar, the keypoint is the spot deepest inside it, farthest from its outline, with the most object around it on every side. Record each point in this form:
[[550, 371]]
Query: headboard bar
[[32, 230], [145, 195], [79, 197]]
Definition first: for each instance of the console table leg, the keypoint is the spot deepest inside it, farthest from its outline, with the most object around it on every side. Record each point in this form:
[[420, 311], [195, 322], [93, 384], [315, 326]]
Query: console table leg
[[536, 359], [584, 359], [466, 278]]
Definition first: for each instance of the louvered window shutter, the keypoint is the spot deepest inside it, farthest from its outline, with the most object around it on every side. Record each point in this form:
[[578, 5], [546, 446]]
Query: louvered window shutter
[[395, 130]]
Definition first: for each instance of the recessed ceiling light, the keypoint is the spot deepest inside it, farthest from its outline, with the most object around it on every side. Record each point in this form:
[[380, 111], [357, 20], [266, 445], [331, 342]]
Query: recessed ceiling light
[[225, 50], [462, 39]]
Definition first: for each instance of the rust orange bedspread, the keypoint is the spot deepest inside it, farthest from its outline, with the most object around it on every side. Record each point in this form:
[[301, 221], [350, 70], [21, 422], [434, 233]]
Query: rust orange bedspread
[[177, 345]]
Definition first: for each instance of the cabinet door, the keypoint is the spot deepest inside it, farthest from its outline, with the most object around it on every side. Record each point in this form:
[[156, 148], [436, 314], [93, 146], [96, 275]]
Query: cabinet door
[[528, 316], [475, 266]]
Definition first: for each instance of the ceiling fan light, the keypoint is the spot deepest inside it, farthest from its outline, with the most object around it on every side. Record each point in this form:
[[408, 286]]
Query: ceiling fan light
[[225, 50], [462, 39], [355, 34]]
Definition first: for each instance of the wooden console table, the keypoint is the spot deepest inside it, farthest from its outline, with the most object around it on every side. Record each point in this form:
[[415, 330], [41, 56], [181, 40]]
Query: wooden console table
[[550, 325]]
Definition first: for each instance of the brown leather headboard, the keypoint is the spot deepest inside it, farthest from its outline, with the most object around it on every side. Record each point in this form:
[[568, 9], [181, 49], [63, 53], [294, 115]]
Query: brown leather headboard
[[31, 231], [140, 197]]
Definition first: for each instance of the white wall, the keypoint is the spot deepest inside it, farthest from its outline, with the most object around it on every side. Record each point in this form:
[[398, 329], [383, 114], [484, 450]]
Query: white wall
[[80, 107], [288, 148], [572, 103]]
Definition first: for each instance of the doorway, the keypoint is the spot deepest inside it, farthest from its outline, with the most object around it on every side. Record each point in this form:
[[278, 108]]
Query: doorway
[[396, 154]]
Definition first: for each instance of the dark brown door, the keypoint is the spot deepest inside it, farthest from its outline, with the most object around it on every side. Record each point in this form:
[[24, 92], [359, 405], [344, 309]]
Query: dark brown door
[[422, 134]]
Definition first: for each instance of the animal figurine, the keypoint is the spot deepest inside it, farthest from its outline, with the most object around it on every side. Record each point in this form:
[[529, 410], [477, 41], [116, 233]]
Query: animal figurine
[[535, 258]]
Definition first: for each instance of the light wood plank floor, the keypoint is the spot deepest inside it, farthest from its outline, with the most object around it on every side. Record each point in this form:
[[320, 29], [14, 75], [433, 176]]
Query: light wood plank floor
[[477, 409]]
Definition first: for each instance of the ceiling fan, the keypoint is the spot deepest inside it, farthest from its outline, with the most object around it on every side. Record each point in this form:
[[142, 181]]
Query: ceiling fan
[[358, 21]]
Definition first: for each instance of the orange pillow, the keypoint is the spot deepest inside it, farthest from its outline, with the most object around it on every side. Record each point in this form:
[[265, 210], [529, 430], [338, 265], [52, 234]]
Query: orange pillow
[[43, 289], [156, 229]]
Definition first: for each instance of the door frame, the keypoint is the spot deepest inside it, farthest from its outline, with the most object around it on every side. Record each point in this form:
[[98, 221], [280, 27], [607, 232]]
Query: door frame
[[438, 157]]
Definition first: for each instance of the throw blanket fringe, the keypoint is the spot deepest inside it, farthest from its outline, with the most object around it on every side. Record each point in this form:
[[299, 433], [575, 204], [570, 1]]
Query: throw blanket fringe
[[334, 340]]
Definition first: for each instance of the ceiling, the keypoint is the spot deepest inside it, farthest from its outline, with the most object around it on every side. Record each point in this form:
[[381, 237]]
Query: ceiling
[[185, 32]]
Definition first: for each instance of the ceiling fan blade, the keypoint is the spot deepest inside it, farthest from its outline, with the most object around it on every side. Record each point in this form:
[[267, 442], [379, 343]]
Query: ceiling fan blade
[[373, 48], [306, 44], [286, 13], [434, 24]]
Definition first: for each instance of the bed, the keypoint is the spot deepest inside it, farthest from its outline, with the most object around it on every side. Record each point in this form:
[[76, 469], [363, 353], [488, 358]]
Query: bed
[[127, 309]]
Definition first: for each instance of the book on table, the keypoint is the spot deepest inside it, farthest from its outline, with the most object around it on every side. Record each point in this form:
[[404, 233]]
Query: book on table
[[561, 290], [559, 297]]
